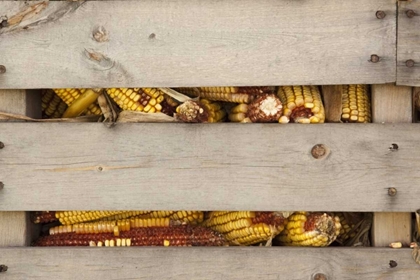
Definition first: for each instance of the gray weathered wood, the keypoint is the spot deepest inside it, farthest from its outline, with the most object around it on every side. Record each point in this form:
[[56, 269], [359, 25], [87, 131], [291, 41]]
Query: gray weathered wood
[[197, 43], [207, 263], [392, 104], [16, 229], [88, 166], [408, 44]]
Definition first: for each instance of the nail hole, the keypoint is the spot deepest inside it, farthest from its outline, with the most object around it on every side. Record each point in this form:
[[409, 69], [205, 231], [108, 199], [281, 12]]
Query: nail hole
[[392, 264], [152, 36], [393, 147], [319, 151], [392, 191], [409, 63], [380, 14], [100, 168], [319, 276], [3, 268], [374, 58], [410, 13]]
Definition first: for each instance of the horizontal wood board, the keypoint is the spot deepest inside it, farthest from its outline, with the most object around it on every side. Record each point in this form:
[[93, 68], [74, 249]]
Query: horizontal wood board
[[57, 166], [408, 43], [207, 263], [174, 43]]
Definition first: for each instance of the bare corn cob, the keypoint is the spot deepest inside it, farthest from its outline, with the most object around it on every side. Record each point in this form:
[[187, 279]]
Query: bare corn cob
[[200, 111], [69, 95], [356, 104], [185, 235], [52, 105], [301, 104], [310, 229], [246, 227], [146, 100]]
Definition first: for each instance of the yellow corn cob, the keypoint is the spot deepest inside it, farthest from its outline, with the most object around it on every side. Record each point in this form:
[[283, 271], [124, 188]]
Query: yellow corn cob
[[146, 100], [52, 105], [189, 217], [75, 217], [301, 104], [200, 111], [246, 227], [238, 113], [228, 94], [69, 95], [111, 226], [356, 104], [310, 229]]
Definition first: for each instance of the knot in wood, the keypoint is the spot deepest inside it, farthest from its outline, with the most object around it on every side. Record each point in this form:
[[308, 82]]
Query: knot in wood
[[380, 14], [319, 151], [3, 268], [319, 276], [409, 63], [100, 34], [392, 191]]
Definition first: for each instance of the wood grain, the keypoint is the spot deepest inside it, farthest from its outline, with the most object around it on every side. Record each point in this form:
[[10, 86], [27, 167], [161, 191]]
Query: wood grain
[[15, 229], [159, 43], [408, 44], [392, 104], [207, 263], [57, 166]]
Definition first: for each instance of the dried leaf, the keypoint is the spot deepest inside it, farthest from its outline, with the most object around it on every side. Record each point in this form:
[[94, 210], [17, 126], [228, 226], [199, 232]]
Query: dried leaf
[[141, 117]]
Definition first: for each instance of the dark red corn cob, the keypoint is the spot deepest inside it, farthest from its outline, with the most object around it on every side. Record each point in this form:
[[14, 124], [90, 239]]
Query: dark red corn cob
[[154, 236], [43, 217]]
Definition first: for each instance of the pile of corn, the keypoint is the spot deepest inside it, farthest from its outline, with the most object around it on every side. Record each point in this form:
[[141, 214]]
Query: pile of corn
[[190, 228], [283, 104]]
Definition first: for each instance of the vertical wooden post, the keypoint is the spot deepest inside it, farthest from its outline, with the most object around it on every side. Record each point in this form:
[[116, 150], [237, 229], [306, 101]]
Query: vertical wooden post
[[16, 229], [391, 104]]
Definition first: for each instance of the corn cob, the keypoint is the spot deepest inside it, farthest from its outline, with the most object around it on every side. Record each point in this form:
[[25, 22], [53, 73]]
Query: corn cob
[[70, 95], [348, 223], [355, 104], [112, 226], [169, 105], [301, 104], [52, 105], [265, 108], [228, 94], [238, 113], [146, 100], [246, 227], [310, 229], [150, 236], [200, 111], [76, 217]]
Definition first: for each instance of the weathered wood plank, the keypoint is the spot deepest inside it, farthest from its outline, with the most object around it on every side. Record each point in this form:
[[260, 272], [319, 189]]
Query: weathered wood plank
[[392, 104], [15, 229], [207, 263], [208, 167], [332, 102], [408, 43], [197, 43]]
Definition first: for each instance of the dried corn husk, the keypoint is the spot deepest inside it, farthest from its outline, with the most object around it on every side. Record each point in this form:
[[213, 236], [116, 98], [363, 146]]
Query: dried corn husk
[[362, 225], [141, 117], [4, 117]]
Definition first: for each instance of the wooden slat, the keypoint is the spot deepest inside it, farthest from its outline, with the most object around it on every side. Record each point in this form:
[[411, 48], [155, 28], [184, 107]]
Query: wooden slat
[[392, 104], [207, 263], [208, 167], [332, 102], [15, 229], [408, 43], [198, 43]]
